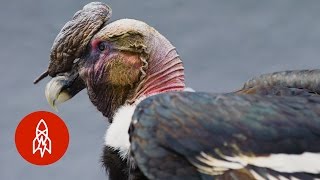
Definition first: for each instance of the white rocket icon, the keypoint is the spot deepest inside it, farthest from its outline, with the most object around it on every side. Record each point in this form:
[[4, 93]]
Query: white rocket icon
[[41, 142]]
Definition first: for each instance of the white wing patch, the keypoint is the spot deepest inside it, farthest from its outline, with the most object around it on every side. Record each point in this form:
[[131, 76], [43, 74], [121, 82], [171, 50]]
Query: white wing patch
[[290, 163], [212, 166], [286, 163]]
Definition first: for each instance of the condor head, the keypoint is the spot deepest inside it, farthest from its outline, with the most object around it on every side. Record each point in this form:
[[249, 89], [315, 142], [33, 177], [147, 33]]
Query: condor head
[[117, 63]]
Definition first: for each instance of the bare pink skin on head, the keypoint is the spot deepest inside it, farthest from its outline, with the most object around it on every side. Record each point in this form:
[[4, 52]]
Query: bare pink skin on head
[[162, 70], [119, 74], [163, 76], [165, 70]]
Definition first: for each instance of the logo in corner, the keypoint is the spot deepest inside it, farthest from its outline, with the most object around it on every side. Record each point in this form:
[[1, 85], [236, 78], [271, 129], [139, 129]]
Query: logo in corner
[[42, 138], [42, 142]]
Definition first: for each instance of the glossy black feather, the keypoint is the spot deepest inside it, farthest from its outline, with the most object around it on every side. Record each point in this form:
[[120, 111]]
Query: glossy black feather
[[170, 130], [116, 168]]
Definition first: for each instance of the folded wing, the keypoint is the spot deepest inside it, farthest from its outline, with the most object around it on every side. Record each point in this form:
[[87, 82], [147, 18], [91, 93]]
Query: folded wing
[[199, 135]]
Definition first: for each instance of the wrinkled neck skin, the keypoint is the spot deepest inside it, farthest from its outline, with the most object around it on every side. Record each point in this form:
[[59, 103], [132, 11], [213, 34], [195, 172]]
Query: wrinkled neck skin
[[162, 72]]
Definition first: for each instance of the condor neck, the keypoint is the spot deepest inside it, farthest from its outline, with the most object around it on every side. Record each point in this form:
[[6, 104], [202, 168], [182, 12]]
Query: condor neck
[[165, 71]]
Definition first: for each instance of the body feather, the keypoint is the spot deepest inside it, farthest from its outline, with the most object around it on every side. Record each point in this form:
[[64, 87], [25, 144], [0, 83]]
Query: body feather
[[208, 134]]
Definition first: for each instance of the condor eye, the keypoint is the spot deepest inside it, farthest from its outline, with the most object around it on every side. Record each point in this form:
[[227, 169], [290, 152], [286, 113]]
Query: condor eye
[[102, 46]]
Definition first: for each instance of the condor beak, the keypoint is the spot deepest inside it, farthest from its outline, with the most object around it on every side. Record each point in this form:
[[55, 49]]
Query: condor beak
[[62, 88], [54, 92]]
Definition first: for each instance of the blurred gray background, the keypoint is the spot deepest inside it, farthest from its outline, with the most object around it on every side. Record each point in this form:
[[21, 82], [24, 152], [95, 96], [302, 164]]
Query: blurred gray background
[[222, 44]]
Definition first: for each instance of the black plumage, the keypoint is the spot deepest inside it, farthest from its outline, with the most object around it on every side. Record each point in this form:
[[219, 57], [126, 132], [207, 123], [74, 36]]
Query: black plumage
[[118, 168], [115, 166], [179, 135], [170, 130]]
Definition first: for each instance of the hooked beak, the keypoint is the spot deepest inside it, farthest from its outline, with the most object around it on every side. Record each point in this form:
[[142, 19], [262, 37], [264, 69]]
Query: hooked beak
[[54, 92], [63, 88]]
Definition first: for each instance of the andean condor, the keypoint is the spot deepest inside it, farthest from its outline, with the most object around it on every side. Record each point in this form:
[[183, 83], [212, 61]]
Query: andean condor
[[269, 129]]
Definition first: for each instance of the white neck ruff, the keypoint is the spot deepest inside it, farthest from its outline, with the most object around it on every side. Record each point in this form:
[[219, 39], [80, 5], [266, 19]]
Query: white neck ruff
[[117, 136]]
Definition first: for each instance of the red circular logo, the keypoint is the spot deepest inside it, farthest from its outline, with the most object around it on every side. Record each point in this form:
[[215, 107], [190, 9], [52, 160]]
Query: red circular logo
[[42, 138]]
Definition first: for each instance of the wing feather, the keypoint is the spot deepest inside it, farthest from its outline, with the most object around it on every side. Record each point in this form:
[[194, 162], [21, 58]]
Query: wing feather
[[175, 134]]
